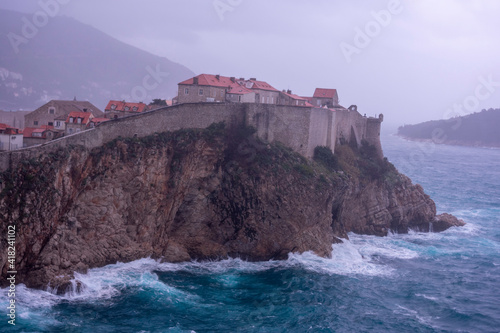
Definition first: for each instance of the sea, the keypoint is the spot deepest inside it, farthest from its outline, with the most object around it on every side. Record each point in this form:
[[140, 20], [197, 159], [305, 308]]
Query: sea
[[416, 282]]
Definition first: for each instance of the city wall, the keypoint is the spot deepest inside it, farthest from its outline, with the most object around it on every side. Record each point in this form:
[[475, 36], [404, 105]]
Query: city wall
[[300, 128]]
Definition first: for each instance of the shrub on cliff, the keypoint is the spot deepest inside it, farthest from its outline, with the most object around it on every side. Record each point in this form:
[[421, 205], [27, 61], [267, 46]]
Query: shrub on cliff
[[324, 156]]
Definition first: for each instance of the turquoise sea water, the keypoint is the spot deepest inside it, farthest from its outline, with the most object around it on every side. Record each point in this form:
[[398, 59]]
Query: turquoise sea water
[[419, 282]]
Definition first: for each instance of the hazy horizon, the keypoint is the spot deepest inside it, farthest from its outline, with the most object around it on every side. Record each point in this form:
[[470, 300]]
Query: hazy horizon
[[413, 61]]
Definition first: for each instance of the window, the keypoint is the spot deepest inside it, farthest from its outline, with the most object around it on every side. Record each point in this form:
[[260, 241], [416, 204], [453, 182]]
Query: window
[[200, 92], [58, 123], [35, 122], [52, 110], [186, 91], [79, 120], [51, 123], [239, 98], [263, 100], [70, 119], [135, 108], [70, 131], [126, 108], [113, 106]]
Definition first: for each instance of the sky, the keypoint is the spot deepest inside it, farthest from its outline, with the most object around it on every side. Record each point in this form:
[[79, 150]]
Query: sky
[[410, 60]]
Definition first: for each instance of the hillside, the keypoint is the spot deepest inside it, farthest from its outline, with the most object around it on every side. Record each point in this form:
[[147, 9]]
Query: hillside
[[66, 58], [478, 129]]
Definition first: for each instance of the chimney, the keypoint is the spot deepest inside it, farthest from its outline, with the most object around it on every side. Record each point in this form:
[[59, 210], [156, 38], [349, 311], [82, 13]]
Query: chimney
[[288, 91], [217, 77], [84, 109], [242, 79], [233, 79], [195, 80], [253, 79]]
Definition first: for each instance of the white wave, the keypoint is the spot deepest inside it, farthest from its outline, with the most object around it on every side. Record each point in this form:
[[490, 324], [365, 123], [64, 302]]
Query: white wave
[[346, 260], [427, 297], [412, 313]]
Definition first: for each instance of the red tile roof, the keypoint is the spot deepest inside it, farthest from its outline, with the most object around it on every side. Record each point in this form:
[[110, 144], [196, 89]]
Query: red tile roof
[[325, 93], [210, 80], [238, 89], [262, 85], [6, 129], [28, 132], [225, 82], [293, 96], [86, 116], [121, 105]]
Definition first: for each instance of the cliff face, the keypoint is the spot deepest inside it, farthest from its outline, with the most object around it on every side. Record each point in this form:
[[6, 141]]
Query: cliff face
[[191, 195]]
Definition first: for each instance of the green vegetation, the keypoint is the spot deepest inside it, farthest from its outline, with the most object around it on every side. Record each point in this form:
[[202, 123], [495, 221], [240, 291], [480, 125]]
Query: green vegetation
[[475, 129], [324, 156]]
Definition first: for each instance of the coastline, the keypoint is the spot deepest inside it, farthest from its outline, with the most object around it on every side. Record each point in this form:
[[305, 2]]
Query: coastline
[[449, 142]]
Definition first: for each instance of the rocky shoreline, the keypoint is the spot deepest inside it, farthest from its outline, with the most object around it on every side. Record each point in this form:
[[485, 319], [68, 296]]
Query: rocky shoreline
[[197, 195]]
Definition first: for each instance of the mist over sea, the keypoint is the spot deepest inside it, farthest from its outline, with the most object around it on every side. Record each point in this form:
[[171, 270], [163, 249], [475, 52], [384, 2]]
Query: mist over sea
[[418, 282]]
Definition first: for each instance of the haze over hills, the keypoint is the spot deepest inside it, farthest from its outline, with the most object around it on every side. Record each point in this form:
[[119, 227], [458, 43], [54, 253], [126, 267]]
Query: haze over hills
[[478, 129], [66, 58]]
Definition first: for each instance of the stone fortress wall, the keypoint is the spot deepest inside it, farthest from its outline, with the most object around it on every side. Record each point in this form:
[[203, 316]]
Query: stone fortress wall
[[300, 128]]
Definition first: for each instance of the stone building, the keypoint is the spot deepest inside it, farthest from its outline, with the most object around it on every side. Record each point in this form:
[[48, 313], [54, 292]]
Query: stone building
[[33, 136], [287, 98], [47, 113], [217, 88], [325, 97], [78, 122], [120, 109]]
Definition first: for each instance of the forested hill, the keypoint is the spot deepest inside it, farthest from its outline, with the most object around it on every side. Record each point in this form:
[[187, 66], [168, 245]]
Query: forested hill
[[67, 59], [478, 129]]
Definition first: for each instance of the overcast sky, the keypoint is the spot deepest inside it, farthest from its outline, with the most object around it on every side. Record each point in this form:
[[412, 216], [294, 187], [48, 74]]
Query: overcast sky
[[413, 61]]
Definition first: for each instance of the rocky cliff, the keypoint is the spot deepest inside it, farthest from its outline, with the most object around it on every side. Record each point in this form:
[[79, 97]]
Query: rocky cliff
[[196, 194]]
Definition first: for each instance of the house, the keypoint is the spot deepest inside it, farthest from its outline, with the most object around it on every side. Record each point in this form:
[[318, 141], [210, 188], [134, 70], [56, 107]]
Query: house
[[33, 136], [120, 109], [217, 88], [325, 97], [47, 113], [78, 122], [11, 138], [287, 98]]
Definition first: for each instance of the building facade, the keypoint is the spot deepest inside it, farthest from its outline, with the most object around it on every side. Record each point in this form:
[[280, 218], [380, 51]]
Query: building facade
[[46, 114]]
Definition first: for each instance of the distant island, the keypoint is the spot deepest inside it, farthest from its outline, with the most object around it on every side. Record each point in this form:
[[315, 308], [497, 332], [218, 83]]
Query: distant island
[[478, 129]]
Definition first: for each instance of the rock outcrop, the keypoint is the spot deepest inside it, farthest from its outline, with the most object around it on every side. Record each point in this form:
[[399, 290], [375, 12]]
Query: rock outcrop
[[193, 194]]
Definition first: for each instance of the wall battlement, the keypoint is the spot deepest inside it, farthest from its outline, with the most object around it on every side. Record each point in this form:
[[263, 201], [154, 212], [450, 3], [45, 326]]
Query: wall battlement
[[300, 128]]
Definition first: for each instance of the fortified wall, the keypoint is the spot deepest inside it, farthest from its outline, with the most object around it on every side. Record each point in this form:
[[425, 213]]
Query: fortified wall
[[300, 128]]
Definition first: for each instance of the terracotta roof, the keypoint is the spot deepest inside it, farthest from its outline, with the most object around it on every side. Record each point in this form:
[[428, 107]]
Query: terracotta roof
[[28, 132], [238, 89], [86, 116], [262, 85], [121, 105], [224, 82], [210, 80], [294, 96], [325, 93], [6, 129]]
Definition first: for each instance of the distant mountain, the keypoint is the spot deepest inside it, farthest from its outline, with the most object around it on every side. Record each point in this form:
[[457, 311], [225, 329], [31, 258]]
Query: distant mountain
[[66, 58], [478, 129]]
